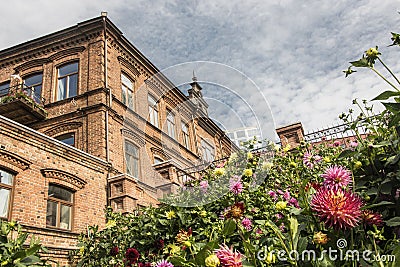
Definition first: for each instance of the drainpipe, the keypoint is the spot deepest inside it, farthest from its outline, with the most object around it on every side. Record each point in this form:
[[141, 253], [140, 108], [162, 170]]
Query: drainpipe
[[104, 15]]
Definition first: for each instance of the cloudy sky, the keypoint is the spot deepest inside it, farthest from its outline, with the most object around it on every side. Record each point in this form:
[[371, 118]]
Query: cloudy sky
[[293, 52]]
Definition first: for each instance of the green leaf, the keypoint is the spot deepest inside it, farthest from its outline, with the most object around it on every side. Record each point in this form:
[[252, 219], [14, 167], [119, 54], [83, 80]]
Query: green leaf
[[386, 95], [393, 222], [396, 254], [347, 153], [294, 226], [229, 227], [382, 203], [393, 107], [394, 120], [363, 62]]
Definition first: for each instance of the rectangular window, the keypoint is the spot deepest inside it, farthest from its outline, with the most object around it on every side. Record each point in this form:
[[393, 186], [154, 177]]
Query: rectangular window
[[171, 124], [153, 110], [207, 151], [185, 135], [59, 207], [6, 185], [4, 88], [132, 159], [68, 139], [127, 91], [33, 87], [67, 81]]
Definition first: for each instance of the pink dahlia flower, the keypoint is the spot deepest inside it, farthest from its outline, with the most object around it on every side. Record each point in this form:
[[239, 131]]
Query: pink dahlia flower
[[337, 208], [336, 177], [235, 185], [228, 256], [310, 160], [164, 263], [247, 224]]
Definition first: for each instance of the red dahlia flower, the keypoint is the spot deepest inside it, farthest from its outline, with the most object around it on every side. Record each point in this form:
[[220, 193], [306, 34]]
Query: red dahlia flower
[[228, 257], [372, 218], [337, 208]]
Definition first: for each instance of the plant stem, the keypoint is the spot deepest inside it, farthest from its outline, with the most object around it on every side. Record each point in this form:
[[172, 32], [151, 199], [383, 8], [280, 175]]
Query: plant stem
[[394, 76], [386, 80]]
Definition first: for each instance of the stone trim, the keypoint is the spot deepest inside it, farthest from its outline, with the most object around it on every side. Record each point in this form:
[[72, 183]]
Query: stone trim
[[133, 136], [64, 127], [14, 159], [64, 176], [129, 66]]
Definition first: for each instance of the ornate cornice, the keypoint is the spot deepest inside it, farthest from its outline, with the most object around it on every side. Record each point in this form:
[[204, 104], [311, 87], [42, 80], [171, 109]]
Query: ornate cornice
[[64, 176], [14, 159], [31, 64], [134, 136], [67, 52], [129, 66], [64, 127]]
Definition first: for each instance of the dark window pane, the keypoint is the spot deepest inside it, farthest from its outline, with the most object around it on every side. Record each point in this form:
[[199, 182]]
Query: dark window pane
[[34, 80], [73, 85], [60, 193], [68, 69], [68, 139], [4, 200], [51, 214], [4, 88]]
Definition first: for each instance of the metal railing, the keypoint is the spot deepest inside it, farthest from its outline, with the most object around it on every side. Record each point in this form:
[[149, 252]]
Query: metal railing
[[26, 91]]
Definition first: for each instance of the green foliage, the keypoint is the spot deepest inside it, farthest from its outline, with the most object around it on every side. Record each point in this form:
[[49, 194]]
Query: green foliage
[[15, 252]]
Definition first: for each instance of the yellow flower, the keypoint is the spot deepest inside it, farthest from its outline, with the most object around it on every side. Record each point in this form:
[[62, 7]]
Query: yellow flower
[[249, 155], [81, 250], [271, 258], [203, 213], [267, 165], [187, 243], [281, 205], [276, 147], [372, 52], [111, 223], [212, 261], [174, 248], [170, 214], [293, 164], [357, 164], [287, 148], [219, 171], [320, 238], [248, 172], [327, 159]]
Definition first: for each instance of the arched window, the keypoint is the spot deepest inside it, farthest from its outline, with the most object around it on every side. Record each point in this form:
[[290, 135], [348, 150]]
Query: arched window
[[33, 84], [127, 91], [185, 135], [59, 207], [67, 81], [153, 110], [6, 187], [171, 124], [68, 138], [132, 159]]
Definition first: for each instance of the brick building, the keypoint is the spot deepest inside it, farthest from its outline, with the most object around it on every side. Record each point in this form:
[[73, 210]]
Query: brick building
[[86, 121]]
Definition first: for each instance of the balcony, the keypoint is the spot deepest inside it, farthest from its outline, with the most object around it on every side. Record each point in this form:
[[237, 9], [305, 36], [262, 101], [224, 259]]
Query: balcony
[[21, 104]]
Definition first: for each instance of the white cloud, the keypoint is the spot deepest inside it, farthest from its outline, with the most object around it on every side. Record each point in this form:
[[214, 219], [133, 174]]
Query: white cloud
[[293, 50]]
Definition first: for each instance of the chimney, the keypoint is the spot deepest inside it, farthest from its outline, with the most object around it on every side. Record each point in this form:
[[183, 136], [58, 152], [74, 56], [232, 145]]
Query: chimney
[[291, 134]]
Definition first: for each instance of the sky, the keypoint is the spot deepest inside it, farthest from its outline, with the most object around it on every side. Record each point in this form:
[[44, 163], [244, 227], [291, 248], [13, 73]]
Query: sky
[[270, 63]]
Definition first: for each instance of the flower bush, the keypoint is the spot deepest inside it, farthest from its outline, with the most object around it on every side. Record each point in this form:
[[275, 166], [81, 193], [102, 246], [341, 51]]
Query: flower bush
[[286, 210]]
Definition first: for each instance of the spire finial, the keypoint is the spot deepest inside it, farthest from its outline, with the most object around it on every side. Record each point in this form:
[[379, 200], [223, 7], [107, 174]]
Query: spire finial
[[194, 78]]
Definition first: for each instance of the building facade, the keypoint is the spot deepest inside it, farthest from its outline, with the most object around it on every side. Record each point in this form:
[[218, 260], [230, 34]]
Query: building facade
[[87, 121]]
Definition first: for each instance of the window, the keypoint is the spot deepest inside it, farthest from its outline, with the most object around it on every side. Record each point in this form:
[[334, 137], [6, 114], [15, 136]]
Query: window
[[6, 185], [59, 207], [185, 134], [127, 91], [132, 159], [67, 85], [171, 124], [157, 160], [33, 86], [68, 139], [153, 111], [207, 151], [4, 88]]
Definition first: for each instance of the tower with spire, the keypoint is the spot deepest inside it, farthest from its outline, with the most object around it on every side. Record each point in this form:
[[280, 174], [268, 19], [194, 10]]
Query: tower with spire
[[196, 96]]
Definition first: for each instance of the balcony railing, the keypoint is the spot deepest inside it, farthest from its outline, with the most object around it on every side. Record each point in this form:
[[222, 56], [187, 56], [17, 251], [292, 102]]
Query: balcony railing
[[22, 104]]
